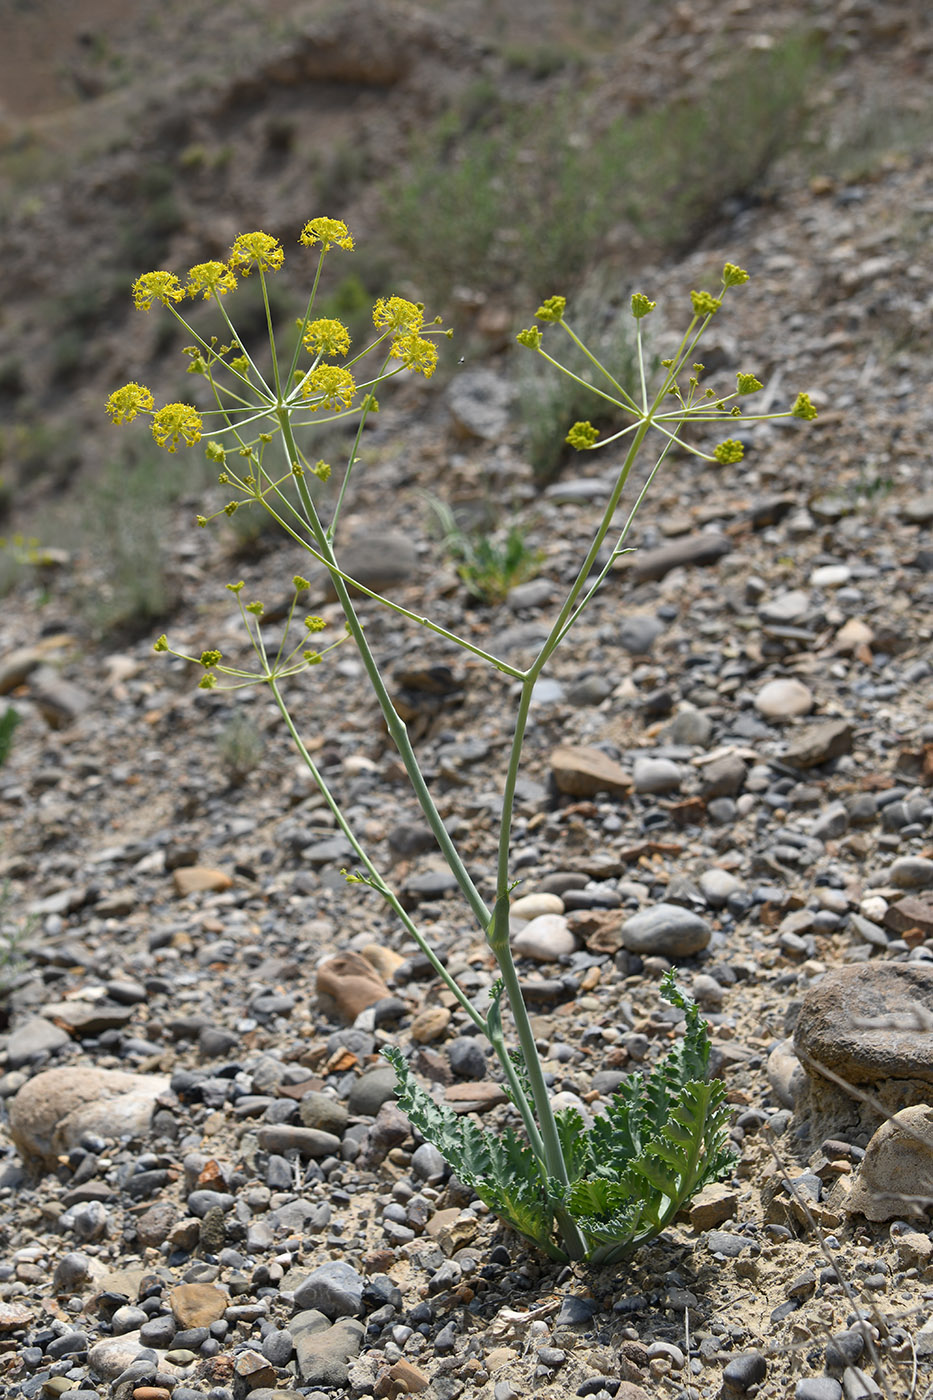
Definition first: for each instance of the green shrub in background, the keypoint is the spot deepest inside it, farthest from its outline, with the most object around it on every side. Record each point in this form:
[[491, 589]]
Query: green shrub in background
[[526, 196]]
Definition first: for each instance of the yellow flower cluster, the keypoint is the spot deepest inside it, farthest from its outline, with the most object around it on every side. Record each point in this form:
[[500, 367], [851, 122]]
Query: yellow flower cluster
[[729, 452], [210, 278], [415, 353], [330, 233], [582, 436], [326, 337], [705, 304], [156, 286], [331, 386], [397, 314], [252, 250], [124, 404], [174, 421]]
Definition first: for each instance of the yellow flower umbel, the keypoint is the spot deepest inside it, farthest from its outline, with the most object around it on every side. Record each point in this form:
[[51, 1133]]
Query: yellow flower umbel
[[397, 314], [124, 404], [174, 421], [415, 353], [252, 250], [331, 386], [156, 286], [326, 337], [330, 233], [211, 279]]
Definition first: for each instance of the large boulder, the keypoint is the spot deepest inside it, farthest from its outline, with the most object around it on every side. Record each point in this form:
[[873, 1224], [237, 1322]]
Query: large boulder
[[50, 1114], [863, 1039]]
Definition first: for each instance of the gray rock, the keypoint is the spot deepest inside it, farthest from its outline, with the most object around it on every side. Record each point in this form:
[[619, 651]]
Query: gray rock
[[72, 1272], [656, 775], [745, 1371], [200, 1202], [466, 1057], [870, 1025], [323, 1112], [639, 632], [831, 823], [480, 401], [590, 690], [912, 873], [34, 1040], [818, 743], [690, 727], [381, 561], [334, 1289], [790, 606], [818, 1388], [371, 1091], [87, 1221], [724, 777], [279, 1138], [723, 1242], [704, 548], [537, 593], [717, 886], [110, 1357], [277, 1346], [427, 1163], [60, 701], [667, 930], [324, 1350]]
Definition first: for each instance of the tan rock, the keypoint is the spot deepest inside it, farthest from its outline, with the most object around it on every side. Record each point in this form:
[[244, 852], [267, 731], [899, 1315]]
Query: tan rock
[[475, 1097], [430, 1024], [582, 771], [350, 984], [713, 1205], [384, 960], [51, 1113], [784, 698], [197, 1304], [193, 879], [914, 1251], [529, 906], [544, 939], [818, 743], [408, 1374], [895, 1179], [13, 1316], [852, 635]]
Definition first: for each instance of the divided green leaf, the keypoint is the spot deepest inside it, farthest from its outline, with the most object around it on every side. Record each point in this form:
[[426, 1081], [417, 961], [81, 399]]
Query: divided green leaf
[[663, 1137]]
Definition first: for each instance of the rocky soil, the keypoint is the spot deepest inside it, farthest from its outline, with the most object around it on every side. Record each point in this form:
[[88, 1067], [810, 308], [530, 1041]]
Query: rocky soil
[[206, 1186]]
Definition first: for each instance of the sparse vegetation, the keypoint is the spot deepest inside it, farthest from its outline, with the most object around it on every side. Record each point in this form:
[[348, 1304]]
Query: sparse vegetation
[[490, 565], [530, 194], [240, 747], [8, 722], [550, 403]]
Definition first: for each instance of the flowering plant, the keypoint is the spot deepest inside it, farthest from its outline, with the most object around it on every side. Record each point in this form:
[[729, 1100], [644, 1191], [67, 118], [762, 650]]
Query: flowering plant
[[579, 1191]]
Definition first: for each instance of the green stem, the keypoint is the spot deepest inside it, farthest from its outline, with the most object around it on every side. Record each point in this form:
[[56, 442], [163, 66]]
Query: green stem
[[394, 723], [378, 883]]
